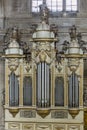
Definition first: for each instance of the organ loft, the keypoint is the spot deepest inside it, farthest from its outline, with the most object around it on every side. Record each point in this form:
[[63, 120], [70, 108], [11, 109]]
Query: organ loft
[[45, 75]]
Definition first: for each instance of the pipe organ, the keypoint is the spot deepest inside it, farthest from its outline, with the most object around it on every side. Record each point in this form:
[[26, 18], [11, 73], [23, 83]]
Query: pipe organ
[[44, 90]]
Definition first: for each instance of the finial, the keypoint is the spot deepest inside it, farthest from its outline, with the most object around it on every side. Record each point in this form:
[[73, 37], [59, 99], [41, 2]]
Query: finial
[[44, 12], [14, 33], [73, 32]]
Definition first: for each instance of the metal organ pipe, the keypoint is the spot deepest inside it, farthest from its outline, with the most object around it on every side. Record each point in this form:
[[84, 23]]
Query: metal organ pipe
[[39, 85], [43, 85], [48, 84], [73, 91]]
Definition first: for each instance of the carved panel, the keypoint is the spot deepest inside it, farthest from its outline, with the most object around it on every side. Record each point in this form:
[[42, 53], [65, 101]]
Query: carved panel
[[14, 126], [43, 127], [59, 114], [27, 114], [13, 90], [59, 127], [74, 127], [27, 127]]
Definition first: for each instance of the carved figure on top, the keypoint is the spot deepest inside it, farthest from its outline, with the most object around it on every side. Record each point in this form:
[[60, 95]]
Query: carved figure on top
[[72, 33], [83, 44], [44, 12], [15, 33]]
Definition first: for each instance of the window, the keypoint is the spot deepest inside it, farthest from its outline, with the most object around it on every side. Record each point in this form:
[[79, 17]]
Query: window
[[55, 5], [71, 5]]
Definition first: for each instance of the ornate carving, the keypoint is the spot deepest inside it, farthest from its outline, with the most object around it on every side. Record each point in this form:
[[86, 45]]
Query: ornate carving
[[42, 57], [73, 64], [28, 67], [14, 126], [13, 63], [13, 111], [73, 112], [43, 112]]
